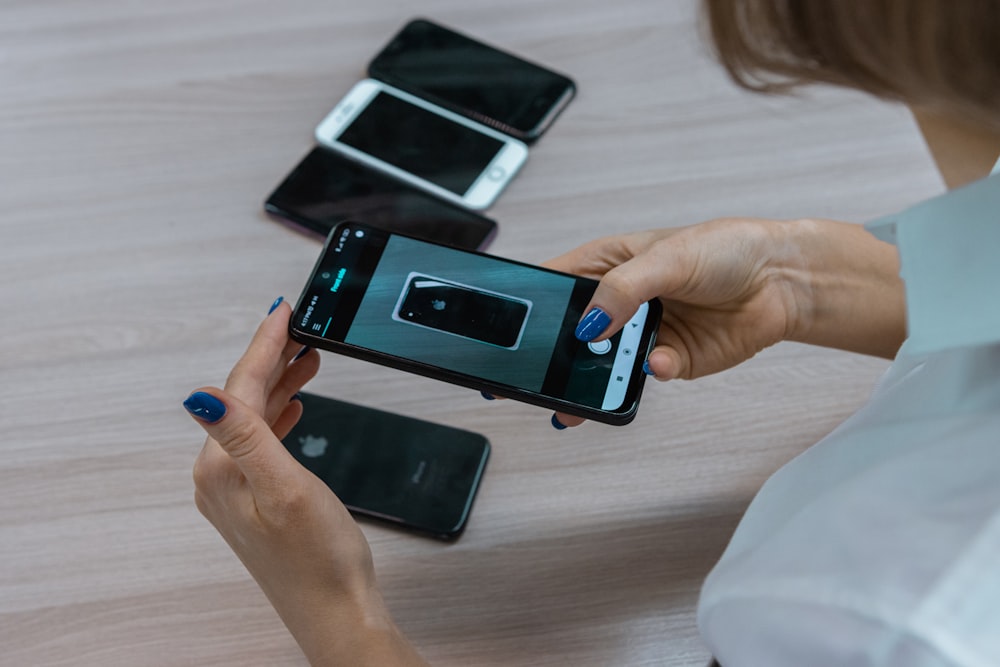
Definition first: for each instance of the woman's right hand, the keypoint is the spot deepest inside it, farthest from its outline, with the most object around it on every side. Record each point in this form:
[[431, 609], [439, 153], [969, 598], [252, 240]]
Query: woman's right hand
[[731, 287]]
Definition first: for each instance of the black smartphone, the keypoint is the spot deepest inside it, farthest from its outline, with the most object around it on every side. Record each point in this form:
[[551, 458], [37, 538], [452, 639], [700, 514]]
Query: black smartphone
[[462, 310], [463, 74], [407, 471], [485, 322], [326, 188]]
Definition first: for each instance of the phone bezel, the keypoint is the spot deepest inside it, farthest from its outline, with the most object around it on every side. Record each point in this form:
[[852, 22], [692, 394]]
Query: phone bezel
[[527, 127], [619, 417], [488, 184]]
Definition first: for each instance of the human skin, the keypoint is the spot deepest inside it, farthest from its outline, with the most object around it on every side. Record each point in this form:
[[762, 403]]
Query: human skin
[[292, 533], [732, 287]]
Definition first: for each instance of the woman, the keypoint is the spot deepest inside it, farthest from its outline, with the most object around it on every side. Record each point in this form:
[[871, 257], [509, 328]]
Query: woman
[[878, 546]]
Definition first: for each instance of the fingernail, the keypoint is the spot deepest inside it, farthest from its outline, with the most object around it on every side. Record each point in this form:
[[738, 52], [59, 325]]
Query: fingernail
[[488, 396], [593, 325], [277, 302], [557, 425], [205, 407], [301, 353], [296, 397], [646, 369]]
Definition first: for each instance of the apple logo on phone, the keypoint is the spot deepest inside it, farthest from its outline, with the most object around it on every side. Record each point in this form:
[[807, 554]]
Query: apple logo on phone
[[313, 446], [438, 304]]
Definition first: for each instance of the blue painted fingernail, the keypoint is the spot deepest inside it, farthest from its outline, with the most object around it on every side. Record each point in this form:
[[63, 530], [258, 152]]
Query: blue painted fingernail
[[277, 302], [557, 425], [301, 353], [646, 369], [205, 407], [488, 396], [593, 325]]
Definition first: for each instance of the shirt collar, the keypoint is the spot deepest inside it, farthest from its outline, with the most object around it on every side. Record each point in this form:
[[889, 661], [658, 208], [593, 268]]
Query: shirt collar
[[949, 250]]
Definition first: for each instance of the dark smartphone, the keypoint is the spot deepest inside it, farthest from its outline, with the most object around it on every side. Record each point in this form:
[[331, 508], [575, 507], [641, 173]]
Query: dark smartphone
[[325, 189], [488, 323], [407, 471], [460, 73], [462, 310]]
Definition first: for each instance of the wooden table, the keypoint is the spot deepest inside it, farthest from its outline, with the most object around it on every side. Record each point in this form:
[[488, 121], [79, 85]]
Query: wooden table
[[138, 142]]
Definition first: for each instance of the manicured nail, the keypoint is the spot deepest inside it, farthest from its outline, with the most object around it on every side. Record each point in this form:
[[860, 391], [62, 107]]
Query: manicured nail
[[557, 425], [205, 407], [646, 369], [488, 396], [277, 302], [593, 325], [301, 353]]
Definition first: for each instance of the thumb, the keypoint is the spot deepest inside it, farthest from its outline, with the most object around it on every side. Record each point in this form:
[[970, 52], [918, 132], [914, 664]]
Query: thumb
[[620, 293], [243, 435]]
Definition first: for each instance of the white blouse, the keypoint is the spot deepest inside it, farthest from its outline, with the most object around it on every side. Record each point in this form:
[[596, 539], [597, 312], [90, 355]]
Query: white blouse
[[880, 545]]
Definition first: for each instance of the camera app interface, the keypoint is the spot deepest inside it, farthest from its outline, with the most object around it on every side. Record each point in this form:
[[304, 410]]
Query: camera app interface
[[472, 314]]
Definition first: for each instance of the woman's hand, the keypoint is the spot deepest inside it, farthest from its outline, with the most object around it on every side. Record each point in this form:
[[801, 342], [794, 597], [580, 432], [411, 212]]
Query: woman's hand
[[732, 287], [291, 532]]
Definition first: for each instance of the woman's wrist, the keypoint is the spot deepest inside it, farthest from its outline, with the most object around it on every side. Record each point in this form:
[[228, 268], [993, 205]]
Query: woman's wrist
[[841, 287], [357, 631]]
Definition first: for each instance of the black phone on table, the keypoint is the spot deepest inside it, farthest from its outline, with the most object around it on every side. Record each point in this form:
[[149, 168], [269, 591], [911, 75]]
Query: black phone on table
[[358, 302], [406, 471], [465, 75], [325, 189]]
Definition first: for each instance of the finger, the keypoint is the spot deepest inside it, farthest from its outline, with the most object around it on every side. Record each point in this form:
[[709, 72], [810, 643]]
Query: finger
[[296, 375], [595, 258], [561, 421], [288, 418], [261, 366], [245, 437], [665, 362], [656, 272]]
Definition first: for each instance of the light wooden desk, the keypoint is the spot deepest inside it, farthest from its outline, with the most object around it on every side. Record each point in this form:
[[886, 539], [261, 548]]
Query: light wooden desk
[[137, 142]]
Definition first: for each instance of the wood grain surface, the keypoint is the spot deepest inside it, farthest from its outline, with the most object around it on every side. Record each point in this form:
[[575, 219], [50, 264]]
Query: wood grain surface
[[137, 143]]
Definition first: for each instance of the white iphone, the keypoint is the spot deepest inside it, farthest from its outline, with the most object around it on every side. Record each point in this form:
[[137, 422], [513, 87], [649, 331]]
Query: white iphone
[[422, 144]]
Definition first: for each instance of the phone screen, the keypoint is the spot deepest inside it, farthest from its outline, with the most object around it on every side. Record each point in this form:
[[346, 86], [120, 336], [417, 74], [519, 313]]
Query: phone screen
[[326, 188], [470, 318], [408, 471], [468, 76], [421, 142]]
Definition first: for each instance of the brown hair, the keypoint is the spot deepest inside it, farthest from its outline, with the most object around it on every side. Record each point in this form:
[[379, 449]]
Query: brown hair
[[940, 55]]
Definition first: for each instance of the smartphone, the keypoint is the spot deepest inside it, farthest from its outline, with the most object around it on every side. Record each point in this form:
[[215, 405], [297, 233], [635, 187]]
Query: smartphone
[[460, 73], [326, 188], [470, 312], [471, 319], [422, 144], [406, 471]]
